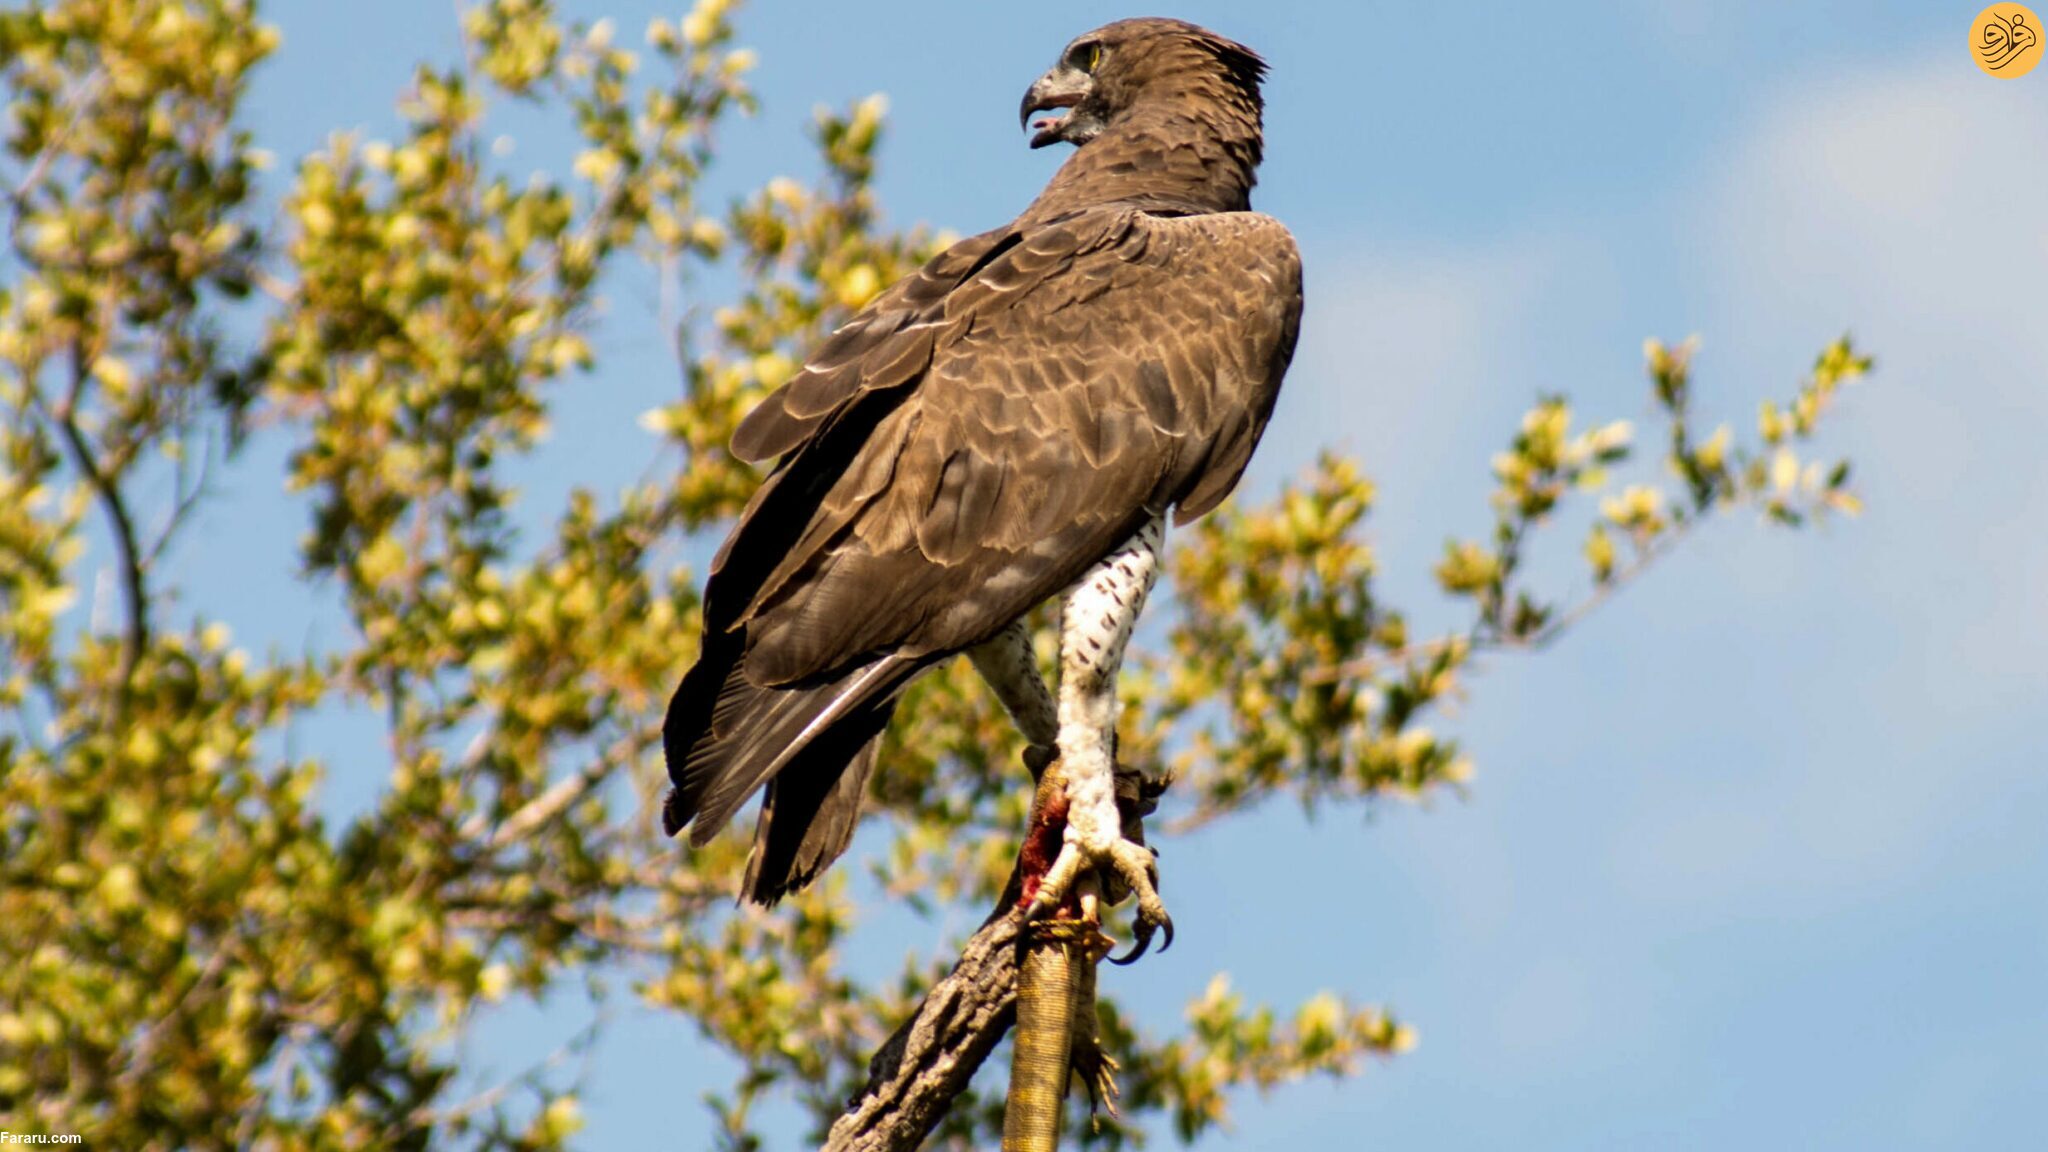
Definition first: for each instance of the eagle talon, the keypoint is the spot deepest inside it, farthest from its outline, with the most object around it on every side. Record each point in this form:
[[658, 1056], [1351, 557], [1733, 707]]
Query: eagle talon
[[1159, 921], [1133, 867], [1039, 757]]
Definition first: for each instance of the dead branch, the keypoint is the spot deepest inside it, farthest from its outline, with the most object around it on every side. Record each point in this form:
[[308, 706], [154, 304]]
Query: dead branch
[[931, 1058]]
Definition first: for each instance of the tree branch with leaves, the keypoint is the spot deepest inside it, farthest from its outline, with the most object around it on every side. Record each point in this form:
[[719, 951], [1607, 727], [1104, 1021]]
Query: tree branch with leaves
[[203, 954]]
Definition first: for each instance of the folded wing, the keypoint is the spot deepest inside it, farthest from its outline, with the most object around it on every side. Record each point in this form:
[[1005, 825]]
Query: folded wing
[[955, 455]]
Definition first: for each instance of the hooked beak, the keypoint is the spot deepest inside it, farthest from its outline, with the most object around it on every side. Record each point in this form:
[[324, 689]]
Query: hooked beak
[[1059, 88]]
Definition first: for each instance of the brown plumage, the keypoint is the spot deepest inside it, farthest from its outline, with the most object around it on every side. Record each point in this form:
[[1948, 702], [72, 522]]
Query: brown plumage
[[985, 430]]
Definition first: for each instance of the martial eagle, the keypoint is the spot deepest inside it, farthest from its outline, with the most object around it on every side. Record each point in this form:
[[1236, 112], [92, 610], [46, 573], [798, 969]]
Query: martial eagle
[[1015, 420]]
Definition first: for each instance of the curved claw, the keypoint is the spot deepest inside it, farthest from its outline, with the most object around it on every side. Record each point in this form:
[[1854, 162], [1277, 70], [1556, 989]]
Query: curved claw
[[1039, 757], [1143, 882], [1143, 942]]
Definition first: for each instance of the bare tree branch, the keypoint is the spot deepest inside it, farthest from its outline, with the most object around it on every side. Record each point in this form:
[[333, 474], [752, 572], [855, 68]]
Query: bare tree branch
[[39, 167], [548, 804], [931, 1058], [135, 634]]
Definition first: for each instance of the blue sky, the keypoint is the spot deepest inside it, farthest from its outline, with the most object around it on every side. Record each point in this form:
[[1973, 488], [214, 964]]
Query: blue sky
[[1755, 857]]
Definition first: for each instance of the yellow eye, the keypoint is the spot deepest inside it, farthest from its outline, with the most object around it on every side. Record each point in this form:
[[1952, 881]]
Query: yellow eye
[[1085, 57]]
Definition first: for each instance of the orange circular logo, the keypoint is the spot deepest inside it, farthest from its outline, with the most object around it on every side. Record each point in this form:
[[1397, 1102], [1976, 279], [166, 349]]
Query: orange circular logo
[[2006, 40]]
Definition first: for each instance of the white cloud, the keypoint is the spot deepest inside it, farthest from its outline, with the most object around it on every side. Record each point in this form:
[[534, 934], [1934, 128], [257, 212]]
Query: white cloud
[[1906, 201], [1396, 347], [1909, 202], [1420, 362], [1914, 191], [1902, 201]]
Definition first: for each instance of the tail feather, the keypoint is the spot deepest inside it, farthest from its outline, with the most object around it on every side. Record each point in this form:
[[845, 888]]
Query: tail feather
[[812, 806], [813, 745]]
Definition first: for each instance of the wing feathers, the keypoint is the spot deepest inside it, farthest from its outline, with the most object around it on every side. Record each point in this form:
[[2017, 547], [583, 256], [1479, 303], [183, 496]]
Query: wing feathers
[[719, 755], [811, 808], [1039, 418], [958, 453]]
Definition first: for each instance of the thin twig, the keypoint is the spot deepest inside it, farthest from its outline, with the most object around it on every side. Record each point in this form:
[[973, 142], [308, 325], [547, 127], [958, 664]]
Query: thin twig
[[271, 286], [425, 1117], [141, 1053], [72, 113], [1483, 638], [135, 634], [190, 491], [540, 809]]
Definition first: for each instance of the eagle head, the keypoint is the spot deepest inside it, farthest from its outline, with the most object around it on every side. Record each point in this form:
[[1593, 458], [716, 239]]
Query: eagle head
[[1106, 74]]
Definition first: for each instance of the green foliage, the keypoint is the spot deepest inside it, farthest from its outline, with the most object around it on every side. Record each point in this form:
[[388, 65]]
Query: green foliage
[[196, 957]]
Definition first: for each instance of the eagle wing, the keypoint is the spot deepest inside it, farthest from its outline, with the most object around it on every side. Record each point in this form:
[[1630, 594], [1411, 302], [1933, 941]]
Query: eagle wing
[[1092, 374], [965, 449]]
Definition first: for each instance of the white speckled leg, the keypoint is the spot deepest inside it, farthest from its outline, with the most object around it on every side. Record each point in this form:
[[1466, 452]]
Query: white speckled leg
[[1095, 626], [1011, 668]]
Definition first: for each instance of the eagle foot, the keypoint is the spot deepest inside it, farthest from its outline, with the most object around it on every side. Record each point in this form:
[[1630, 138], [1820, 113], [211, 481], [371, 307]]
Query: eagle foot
[[1135, 865], [1074, 879], [1137, 796]]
